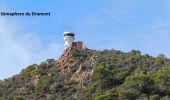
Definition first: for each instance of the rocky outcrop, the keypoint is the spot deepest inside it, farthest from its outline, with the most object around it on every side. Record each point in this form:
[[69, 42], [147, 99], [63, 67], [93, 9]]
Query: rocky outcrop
[[93, 59], [69, 63], [80, 76], [63, 59]]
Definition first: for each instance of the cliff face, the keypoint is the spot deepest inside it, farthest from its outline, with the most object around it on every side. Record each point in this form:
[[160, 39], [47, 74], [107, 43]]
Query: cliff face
[[89, 74], [72, 60]]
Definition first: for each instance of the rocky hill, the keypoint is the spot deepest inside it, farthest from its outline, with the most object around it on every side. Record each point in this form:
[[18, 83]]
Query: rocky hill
[[92, 75]]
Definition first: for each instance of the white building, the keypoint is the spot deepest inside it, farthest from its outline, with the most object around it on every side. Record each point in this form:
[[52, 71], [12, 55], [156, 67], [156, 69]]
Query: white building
[[68, 39]]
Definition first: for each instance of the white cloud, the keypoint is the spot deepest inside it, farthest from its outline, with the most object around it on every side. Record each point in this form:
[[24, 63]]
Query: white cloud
[[18, 50]]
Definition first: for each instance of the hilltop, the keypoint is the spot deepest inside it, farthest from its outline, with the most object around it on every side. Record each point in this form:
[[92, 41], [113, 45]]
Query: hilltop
[[90, 74]]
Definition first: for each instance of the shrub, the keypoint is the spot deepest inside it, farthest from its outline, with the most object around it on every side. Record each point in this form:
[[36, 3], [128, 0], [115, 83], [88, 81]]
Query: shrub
[[18, 98], [75, 52], [106, 96], [29, 71], [102, 74], [162, 80], [42, 84], [160, 58], [135, 85]]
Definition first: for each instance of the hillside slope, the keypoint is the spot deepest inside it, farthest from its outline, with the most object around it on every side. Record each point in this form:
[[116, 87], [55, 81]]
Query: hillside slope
[[90, 74]]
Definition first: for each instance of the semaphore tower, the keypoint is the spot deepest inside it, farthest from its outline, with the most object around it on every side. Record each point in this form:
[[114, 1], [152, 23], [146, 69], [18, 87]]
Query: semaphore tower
[[68, 45], [69, 41]]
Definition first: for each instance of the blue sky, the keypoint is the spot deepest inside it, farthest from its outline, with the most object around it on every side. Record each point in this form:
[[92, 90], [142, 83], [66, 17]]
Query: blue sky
[[101, 24]]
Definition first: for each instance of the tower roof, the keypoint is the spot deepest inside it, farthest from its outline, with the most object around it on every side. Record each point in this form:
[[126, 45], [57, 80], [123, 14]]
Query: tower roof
[[69, 34]]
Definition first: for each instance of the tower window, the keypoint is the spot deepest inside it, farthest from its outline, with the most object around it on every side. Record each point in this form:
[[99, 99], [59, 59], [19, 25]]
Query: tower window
[[68, 34]]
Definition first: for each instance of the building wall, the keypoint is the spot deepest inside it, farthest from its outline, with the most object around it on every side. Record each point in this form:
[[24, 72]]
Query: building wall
[[78, 45]]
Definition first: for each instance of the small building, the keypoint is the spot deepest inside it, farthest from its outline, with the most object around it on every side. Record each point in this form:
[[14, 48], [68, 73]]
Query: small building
[[69, 41], [78, 45]]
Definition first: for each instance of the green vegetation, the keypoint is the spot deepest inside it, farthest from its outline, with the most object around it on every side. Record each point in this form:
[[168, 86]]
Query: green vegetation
[[42, 84], [18, 98], [135, 85], [29, 71], [106, 96], [103, 75], [114, 75]]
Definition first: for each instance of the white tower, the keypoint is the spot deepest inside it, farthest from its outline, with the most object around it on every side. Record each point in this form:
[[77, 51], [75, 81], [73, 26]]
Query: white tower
[[68, 39]]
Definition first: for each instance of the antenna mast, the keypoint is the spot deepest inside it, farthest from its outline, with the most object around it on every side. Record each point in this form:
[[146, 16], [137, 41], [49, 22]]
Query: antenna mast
[[69, 28]]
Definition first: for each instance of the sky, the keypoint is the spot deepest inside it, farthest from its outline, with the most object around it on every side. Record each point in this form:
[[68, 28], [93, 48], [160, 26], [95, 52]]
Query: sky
[[101, 24]]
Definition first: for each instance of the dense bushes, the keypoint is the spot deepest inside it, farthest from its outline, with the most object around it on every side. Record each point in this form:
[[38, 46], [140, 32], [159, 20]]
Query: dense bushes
[[162, 81], [103, 75], [43, 84], [114, 76], [134, 86], [155, 85], [29, 71], [106, 96], [18, 98]]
